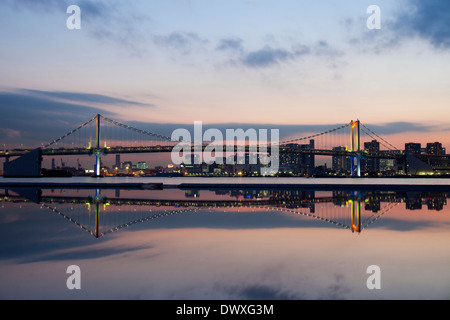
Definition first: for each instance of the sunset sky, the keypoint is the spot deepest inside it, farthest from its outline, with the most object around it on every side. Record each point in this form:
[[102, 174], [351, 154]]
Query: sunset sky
[[226, 62]]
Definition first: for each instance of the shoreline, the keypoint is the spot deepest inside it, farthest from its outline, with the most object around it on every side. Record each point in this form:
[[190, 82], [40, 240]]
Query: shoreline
[[148, 183]]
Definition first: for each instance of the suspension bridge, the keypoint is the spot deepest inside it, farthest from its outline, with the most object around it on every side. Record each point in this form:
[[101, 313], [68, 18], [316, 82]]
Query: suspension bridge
[[101, 136]]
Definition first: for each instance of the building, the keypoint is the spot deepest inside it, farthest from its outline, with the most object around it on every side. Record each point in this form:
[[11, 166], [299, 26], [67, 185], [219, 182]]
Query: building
[[413, 148], [435, 149], [128, 165], [341, 164], [191, 165], [289, 162], [28, 165], [141, 165], [298, 163], [370, 165], [391, 167]]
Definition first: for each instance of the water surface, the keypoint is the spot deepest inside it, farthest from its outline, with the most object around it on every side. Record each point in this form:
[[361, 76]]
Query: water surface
[[224, 243]]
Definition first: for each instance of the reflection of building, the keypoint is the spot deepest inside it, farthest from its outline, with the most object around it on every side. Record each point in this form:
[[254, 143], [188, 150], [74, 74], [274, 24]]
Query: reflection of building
[[292, 199], [295, 199], [436, 203], [372, 204], [414, 204], [433, 201], [340, 197], [192, 193]]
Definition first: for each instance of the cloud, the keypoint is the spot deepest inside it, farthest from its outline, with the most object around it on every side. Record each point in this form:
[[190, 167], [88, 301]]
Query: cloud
[[81, 253], [400, 127], [113, 21], [231, 44], [9, 133], [414, 19], [321, 49], [86, 97], [402, 225], [183, 42], [89, 9], [266, 57], [338, 290], [95, 9], [429, 20], [269, 56], [262, 292], [43, 6], [30, 117]]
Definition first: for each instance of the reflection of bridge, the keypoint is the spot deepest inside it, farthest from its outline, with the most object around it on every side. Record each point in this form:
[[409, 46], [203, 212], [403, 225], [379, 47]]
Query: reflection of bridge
[[91, 212], [102, 136]]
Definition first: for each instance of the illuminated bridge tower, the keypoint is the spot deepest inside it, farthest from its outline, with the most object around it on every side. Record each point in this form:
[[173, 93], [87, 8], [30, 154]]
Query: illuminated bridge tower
[[97, 152], [355, 147]]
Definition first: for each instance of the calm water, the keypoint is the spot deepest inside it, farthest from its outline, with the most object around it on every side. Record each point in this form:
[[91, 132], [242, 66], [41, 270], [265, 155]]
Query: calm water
[[224, 243]]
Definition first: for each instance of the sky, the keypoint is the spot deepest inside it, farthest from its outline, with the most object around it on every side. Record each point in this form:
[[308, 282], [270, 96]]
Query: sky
[[294, 65]]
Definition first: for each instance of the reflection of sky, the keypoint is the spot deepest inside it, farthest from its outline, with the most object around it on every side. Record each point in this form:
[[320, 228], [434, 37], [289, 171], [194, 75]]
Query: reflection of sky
[[205, 255]]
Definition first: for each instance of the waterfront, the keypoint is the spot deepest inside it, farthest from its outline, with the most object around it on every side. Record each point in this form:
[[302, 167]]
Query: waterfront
[[224, 243], [173, 182]]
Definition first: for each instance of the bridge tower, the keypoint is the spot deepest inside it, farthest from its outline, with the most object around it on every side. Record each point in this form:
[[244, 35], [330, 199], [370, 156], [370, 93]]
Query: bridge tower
[[97, 147], [355, 147]]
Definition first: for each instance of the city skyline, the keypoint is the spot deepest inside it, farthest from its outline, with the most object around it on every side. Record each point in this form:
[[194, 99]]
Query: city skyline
[[413, 160], [294, 65]]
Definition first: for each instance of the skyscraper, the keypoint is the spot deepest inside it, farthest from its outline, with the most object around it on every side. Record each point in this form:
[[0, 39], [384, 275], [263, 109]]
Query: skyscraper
[[371, 165], [435, 148], [299, 163], [413, 148], [341, 164]]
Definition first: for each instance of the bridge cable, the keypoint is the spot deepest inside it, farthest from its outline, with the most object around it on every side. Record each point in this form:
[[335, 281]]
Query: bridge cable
[[316, 135], [136, 130], [68, 134], [392, 147]]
